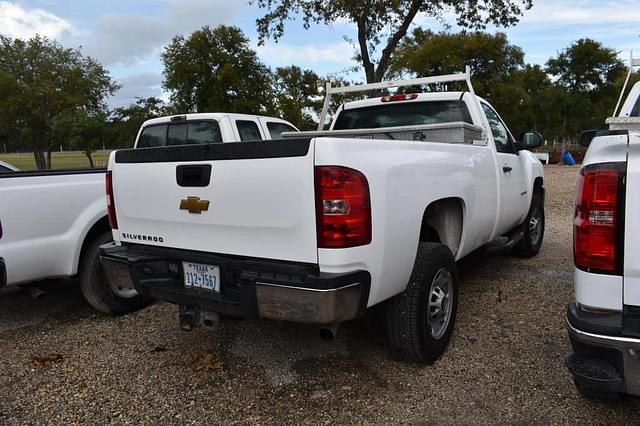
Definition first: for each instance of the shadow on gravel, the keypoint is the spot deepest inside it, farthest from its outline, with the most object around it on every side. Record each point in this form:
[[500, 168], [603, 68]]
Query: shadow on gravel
[[18, 308]]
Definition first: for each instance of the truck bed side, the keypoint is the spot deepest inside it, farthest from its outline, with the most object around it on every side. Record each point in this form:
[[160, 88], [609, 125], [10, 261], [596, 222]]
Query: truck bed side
[[45, 216]]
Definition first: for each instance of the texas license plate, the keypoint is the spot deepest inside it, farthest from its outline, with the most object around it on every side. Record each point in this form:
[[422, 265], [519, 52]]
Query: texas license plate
[[202, 276]]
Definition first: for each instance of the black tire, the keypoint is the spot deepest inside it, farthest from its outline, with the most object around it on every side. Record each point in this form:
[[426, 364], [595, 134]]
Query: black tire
[[533, 232], [95, 287], [409, 327]]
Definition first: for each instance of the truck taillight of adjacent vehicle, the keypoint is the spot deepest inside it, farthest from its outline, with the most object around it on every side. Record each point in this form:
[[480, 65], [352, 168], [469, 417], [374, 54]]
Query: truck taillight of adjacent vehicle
[[598, 222], [111, 205], [343, 207]]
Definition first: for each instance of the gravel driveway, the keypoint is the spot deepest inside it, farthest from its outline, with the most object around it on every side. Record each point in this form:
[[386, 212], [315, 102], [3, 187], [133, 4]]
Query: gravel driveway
[[505, 363]]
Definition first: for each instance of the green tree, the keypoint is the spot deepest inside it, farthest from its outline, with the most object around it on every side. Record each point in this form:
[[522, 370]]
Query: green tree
[[585, 66], [214, 69], [499, 73], [296, 93], [42, 80], [381, 25], [590, 76], [80, 130]]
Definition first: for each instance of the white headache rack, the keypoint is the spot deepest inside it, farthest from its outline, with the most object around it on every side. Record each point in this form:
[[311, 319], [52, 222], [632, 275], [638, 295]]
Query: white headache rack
[[439, 79], [632, 64]]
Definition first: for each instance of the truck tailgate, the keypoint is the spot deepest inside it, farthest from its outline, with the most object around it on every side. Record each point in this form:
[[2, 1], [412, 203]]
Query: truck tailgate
[[260, 198]]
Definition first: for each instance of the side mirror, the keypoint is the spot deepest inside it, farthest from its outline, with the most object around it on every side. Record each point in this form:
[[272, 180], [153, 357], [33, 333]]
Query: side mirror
[[530, 140], [587, 136]]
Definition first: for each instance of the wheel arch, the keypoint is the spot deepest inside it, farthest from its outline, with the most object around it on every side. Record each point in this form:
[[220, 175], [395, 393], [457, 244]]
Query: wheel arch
[[97, 229], [443, 222], [538, 185]]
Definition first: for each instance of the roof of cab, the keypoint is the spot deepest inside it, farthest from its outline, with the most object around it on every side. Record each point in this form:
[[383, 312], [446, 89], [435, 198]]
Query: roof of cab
[[433, 96], [210, 116]]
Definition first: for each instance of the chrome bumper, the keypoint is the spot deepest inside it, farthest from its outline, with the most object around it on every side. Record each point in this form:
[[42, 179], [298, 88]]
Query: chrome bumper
[[628, 347], [305, 305]]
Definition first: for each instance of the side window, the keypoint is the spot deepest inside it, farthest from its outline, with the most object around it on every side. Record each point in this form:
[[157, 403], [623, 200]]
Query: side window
[[277, 129], [204, 132], [635, 111], [177, 134], [248, 130], [498, 129], [153, 136], [4, 169]]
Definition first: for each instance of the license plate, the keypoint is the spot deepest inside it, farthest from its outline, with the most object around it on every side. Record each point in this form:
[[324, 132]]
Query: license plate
[[198, 275]]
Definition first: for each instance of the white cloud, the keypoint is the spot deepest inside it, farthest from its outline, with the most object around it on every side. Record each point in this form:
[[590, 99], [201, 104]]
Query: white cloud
[[282, 54], [582, 12], [141, 85], [561, 13], [17, 21], [127, 39]]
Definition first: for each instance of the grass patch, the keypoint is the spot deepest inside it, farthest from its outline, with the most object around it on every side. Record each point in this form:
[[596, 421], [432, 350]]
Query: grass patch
[[59, 160]]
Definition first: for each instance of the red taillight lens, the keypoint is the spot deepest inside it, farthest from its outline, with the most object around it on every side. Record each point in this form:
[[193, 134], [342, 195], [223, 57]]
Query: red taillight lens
[[596, 220], [111, 205], [402, 97], [343, 208]]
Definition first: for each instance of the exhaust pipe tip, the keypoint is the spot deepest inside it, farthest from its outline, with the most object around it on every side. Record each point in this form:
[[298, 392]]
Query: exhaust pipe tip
[[328, 333]]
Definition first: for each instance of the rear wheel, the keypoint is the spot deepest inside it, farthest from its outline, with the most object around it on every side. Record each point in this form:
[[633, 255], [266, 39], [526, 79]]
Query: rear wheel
[[533, 228], [420, 320], [96, 289]]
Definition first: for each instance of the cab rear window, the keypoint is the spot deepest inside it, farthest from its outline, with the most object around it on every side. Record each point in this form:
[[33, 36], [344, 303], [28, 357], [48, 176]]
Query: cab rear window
[[277, 129], [187, 133], [403, 114]]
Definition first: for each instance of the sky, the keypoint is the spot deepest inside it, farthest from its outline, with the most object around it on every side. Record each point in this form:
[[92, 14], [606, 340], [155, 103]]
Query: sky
[[127, 36]]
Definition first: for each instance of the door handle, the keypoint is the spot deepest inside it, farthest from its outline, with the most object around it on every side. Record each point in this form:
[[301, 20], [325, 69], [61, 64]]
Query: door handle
[[506, 169], [193, 175]]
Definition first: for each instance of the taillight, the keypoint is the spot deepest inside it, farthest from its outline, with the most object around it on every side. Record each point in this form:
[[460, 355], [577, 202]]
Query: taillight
[[597, 218], [343, 207], [401, 97], [111, 205]]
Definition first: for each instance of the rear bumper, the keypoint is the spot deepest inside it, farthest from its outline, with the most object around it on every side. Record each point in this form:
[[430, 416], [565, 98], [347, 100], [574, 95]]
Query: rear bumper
[[3, 274], [602, 362], [249, 288]]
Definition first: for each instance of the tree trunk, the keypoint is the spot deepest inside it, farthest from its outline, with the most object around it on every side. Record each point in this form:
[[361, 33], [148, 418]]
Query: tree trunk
[[38, 156], [88, 154]]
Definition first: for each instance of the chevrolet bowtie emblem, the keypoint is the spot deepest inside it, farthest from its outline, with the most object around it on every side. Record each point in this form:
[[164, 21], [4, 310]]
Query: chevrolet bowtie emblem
[[194, 205]]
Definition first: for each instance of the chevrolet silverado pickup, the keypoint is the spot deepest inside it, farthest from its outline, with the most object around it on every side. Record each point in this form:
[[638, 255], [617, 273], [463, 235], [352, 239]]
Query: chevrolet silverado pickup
[[54, 221], [604, 321], [320, 226]]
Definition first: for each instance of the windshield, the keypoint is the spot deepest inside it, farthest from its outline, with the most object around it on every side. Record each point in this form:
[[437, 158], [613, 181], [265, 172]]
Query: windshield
[[403, 114]]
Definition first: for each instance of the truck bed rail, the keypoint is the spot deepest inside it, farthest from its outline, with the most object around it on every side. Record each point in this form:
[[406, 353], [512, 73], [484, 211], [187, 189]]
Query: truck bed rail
[[454, 132]]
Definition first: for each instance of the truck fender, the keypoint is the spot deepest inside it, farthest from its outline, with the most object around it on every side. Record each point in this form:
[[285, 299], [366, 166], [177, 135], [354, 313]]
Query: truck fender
[[91, 223]]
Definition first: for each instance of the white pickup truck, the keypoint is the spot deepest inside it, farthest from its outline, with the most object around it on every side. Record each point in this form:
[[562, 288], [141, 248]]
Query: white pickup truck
[[55, 220], [320, 227], [604, 321]]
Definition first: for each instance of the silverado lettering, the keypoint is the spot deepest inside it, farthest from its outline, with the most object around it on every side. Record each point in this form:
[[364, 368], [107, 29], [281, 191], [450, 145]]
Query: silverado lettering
[[139, 237]]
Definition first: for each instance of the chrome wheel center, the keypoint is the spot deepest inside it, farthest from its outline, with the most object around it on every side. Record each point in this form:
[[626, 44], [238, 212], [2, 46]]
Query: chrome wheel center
[[440, 303], [535, 226]]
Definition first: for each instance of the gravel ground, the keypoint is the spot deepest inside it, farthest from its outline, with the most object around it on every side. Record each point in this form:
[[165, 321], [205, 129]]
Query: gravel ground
[[505, 363]]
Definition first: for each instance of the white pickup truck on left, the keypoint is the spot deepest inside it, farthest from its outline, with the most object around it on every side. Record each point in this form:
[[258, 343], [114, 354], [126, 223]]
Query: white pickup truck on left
[[52, 222]]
